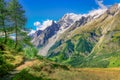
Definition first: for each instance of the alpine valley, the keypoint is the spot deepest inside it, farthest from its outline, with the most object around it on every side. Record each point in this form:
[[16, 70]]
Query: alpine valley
[[75, 47], [83, 40]]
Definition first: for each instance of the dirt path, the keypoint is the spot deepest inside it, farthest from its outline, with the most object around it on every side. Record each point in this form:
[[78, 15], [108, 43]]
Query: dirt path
[[25, 65]]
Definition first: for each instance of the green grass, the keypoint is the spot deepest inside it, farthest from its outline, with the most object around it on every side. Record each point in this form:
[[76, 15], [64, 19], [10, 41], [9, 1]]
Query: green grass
[[115, 60], [52, 71], [102, 60], [25, 75], [39, 71]]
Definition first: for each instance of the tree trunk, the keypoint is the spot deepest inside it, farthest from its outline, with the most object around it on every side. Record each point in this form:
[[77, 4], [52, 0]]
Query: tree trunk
[[16, 39], [5, 36], [5, 32]]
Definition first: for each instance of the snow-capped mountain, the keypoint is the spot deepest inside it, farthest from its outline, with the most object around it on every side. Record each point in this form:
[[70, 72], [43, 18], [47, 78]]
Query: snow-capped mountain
[[68, 19], [50, 31]]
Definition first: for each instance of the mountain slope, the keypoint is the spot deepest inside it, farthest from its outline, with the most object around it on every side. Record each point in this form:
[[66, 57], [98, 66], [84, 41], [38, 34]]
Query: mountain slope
[[94, 44], [67, 23]]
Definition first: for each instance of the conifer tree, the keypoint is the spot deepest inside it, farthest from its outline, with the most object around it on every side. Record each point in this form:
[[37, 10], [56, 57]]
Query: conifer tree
[[3, 14], [17, 16]]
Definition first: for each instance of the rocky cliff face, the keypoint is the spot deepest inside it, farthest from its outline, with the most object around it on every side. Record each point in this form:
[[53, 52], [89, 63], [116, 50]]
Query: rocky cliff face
[[41, 37]]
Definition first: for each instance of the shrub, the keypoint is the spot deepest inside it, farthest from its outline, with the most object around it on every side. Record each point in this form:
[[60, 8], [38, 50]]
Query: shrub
[[25, 75], [30, 52], [4, 66]]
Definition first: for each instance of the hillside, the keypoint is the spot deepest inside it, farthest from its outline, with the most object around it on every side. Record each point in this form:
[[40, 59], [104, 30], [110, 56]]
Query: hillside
[[95, 44], [24, 66], [42, 69]]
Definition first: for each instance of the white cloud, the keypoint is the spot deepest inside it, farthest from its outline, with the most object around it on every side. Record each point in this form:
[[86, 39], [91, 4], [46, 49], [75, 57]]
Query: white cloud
[[37, 23], [97, 12], [100, 3], [73, 16], [119, 5], [44, 25]]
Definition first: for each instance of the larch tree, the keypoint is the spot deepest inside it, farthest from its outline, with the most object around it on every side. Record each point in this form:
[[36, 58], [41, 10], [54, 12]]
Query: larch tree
[[17, 16], [3, 18]]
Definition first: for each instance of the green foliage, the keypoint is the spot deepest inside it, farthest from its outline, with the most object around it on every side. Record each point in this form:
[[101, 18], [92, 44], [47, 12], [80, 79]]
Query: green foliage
[[57, 44], [25, 75], [26, 40], [69, 46], [102, 60], [12, 19], [83, 46], [30, 52], [116, 37], [4, 66], [3, 18], [64, 54], [10, 46], [75, 60], [104, 54], [68, 50], [72, 50], [17, 14], [6, 56], [17, 17], [114, 60]]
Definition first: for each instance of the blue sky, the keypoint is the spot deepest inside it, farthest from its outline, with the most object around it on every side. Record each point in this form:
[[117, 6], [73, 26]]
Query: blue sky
[[41, 10]]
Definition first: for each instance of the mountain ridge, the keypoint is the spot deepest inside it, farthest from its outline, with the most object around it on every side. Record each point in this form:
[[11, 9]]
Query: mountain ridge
[[90, 35], [69, 20], [95, 40]]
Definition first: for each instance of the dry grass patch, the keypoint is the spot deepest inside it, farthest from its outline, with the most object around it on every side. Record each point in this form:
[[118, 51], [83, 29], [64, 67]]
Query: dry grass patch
[[88, 74]]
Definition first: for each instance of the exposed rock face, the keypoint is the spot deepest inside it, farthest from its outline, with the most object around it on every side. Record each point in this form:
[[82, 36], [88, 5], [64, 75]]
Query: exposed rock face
[[67, 20], [41, 37], [83, 20]]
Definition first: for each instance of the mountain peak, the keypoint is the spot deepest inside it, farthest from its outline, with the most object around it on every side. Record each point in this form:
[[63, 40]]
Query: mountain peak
[[113, 9], [45, 24], [72, 17], [68, 19]]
